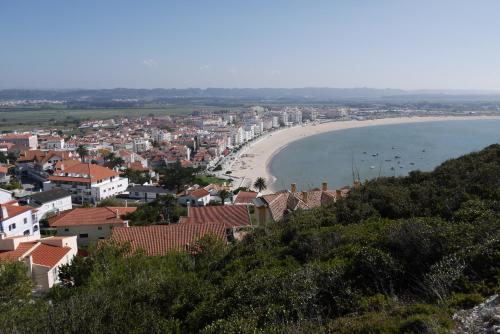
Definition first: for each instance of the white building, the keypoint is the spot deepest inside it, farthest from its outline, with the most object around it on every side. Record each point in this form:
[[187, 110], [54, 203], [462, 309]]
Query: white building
[[22, 140], [141, 145], [87, 183], [51, 202], [16, 220], [42, 257], [90, 224]]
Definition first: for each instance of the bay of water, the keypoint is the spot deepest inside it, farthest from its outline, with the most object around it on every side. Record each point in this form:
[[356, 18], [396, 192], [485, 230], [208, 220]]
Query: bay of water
[[420, 146]]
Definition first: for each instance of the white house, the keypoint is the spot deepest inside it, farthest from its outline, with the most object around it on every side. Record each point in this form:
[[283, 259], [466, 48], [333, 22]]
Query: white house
[[90, 224], [43, 257], [198, 197], [50, 202], [16, 220], [87, 182], [146, 193]]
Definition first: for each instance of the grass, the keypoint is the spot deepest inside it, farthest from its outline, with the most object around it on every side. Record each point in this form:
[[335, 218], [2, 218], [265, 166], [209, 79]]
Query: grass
[[22, 119], [207, 179]]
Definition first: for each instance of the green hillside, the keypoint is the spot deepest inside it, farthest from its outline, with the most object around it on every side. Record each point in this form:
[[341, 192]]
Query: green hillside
[[399, 255]]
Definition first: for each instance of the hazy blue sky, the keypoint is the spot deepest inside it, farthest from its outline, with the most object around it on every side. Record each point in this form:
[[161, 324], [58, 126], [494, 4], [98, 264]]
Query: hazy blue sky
[[353, 43]]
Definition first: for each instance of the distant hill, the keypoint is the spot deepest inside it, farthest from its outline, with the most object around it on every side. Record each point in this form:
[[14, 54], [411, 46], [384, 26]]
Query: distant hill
[[307, 93]]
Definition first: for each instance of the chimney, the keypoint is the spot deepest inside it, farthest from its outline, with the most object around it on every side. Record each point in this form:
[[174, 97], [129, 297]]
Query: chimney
[[117, 215], [5, 214], [324, 186], [304, 196], [62, 167], [293, 188], [188, 204]]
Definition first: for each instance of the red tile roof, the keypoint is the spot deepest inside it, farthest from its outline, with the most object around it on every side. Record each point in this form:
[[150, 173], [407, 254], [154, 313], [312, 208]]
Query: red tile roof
[[160, 239], [83, 171], [90, 216], [48, 255], [229, 215], [199, 193], [13, 209], [245, 197], [14, 255]]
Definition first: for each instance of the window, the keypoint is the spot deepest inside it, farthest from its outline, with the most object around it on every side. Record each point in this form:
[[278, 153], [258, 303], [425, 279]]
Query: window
[[26, 232], [25, 220], [84, 235], [35, 228], [99, 227], [66, 230]]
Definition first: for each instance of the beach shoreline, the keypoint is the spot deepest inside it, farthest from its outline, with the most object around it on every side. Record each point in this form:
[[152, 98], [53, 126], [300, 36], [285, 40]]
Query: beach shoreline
[[255, 160]]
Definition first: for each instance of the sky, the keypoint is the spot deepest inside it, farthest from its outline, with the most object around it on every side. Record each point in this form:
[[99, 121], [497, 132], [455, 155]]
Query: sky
[[420, 44]]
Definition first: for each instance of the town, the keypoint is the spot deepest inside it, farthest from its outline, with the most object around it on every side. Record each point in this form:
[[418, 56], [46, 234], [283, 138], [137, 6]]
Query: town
[[160, 183]]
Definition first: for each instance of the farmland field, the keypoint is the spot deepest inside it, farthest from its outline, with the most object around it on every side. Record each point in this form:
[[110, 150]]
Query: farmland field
[[21, 119]]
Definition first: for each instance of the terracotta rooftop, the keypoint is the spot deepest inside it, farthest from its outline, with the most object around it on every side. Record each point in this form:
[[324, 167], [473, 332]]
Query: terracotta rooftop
[[229, 215], [48, 255], [19, 252], [245, 197], [160, 239], [90, 216], [199, 193], [13, 209], [83, 171]]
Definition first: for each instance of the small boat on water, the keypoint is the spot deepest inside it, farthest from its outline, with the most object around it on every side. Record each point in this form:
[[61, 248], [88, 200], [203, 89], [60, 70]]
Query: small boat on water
[[401, 166], [412, 163], [388, 160], [423, 150], [372, 167], [375, 155], [392, 168], [364, 152], [397, 157]]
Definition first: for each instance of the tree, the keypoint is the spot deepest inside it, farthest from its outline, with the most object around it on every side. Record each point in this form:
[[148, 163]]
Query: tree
[[260, 184], [223, 194], [136, 177], [82, 152], [176, 176]]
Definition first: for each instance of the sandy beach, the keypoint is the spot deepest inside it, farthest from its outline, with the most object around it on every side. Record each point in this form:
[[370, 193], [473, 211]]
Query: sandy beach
[[254, 160]]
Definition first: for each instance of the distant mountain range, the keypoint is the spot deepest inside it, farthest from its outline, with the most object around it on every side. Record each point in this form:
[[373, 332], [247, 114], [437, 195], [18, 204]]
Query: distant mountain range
[[307, 93]]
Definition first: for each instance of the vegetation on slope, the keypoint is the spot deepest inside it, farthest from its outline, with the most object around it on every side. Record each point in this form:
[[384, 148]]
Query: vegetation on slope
[[399, 255]]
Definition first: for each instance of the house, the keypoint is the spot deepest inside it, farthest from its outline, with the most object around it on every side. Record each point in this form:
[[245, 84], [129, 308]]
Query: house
[[161, 239], [16, 220], [50, 202], [43, 257], [273, 207], [87, 182], [28, 141], [146, 193], [197, 197], [245, 198], [89, 224]]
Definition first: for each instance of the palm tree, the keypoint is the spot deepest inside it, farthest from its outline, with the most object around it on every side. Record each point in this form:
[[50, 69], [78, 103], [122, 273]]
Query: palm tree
[[260, 184], [82, 152], [223, 194]]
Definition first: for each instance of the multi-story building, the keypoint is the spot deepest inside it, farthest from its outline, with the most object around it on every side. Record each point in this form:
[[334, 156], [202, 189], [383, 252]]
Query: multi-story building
[[141, 145], [16, 220], [50, 202], [87, 183], [21, 140]]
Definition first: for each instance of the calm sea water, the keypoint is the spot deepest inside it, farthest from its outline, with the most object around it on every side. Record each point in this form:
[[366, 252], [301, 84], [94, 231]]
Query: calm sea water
[[391, 150]]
